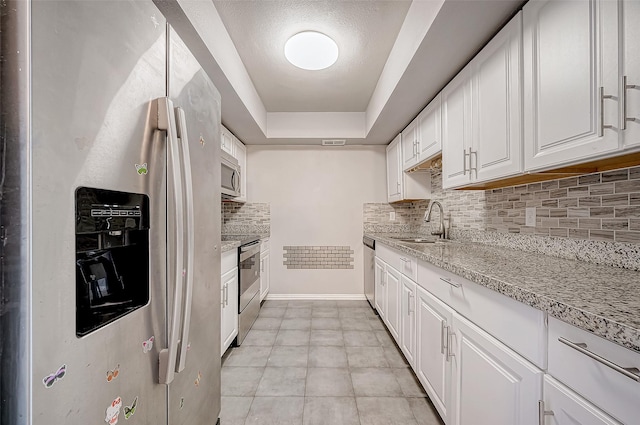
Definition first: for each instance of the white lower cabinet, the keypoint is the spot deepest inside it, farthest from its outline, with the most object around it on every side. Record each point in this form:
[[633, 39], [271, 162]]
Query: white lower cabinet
[[228, 299], [265, 281], [392, 318], [408, 319], [380, 288], [229, 319], [432, 364], [492, 385], [564, 407]]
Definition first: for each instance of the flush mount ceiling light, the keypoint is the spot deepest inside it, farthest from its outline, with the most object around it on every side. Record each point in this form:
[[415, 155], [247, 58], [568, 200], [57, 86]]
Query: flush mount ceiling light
[[311, 50]]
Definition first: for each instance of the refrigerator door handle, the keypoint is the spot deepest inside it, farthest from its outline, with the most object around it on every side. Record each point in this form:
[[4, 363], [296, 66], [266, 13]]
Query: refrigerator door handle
[[190, 245], [167, 122]]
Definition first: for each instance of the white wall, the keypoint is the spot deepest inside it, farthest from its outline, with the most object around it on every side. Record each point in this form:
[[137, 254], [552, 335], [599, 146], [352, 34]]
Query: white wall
[[316, 195]]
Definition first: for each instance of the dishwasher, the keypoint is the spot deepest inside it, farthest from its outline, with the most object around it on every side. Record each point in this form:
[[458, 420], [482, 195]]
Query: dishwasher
[[369, 254]]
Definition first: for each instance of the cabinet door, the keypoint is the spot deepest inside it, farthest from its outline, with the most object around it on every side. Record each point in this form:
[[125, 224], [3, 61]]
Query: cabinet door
[[264, 275], [493, 385], [570, 53], [226, 141], [229, 310], [429, 130], [497, 105], [408, 319], [409, 145], [631, 70], [456, 131], [394, 181], [392, 282], [241, 156], [433, 365], [569, 408], [380, 289]]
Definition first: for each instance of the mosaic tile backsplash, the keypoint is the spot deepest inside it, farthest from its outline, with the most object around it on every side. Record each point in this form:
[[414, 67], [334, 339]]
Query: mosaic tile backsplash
[[318, 257], [599, 207], [593, 217], [247, 218]]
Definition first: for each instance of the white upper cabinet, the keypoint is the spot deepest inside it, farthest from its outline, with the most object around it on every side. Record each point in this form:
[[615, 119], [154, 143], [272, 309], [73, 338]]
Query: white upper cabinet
[[456, 131], [496, 84], [403, 186], [394, 177], [409, 145], [630, 81], [430, 130], [570, 81], [226, 141], [422, 139], [482, 114]]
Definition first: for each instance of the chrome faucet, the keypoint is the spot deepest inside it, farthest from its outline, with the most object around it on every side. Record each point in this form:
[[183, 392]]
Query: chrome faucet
[[442, 231]]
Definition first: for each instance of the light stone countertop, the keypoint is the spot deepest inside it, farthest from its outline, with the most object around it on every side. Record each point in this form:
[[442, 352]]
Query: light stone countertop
[[600, 299], [229, 245]]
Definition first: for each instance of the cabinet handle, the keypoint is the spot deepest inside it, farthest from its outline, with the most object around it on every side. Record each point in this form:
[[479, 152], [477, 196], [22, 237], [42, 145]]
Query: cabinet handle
[[602, 98], [464, 161], [470, 167], [449, 338], [629, 372], [222, 296], [226, 294], [626, 87], [409, 296], [443, 327], [454, 284], [542, 413], [404, 260]]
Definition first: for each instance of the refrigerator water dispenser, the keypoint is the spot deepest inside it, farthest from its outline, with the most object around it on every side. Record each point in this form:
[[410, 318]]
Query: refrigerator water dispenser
[[112, 256]]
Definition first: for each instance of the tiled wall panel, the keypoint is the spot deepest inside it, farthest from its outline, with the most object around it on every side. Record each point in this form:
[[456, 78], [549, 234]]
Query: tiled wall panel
[[318, 257]]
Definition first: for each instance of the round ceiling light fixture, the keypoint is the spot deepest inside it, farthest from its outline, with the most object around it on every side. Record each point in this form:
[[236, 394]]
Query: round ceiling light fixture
[[311, 50]]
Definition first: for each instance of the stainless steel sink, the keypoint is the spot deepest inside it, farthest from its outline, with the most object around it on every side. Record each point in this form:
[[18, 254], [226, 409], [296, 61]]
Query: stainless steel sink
[[420, 240]]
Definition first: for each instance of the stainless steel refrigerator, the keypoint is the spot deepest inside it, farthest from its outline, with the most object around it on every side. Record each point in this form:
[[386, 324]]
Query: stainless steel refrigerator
[[110, 218]]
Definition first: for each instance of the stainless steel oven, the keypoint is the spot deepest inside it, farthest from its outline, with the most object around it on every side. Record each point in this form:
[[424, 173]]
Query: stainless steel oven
[[249, 286]]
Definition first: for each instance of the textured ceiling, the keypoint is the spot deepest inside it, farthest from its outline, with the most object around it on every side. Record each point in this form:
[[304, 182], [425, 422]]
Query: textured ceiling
[[364, 31]]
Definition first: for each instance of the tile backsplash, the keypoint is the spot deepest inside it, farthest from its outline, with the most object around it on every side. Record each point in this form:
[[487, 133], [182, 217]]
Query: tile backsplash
[[250, 217], [599, 207], [593, 217]]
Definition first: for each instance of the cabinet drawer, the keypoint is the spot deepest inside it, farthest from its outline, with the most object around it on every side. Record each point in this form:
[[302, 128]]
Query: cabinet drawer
[[605, 387], [400, 261], [518, 326], [229, 261]]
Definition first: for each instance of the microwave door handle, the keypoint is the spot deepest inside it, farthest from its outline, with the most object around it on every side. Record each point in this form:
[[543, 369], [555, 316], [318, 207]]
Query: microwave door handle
[[190, 245], [234, 176], [167, 122]]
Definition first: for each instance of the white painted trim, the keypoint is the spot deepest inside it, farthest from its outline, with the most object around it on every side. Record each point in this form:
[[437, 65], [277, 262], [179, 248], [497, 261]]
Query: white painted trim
[[340, 297], [314, 125]]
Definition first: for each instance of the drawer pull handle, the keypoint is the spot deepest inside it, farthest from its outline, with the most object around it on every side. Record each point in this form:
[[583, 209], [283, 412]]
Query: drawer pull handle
[[629, 372], [454, 284], [542, 413], [405, 260]]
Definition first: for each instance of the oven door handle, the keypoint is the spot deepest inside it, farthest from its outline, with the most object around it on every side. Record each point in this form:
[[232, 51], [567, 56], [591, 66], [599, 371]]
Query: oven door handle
[[249, 251]]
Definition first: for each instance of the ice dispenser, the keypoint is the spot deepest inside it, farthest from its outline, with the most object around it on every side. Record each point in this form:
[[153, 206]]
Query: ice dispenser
[[112, 256]]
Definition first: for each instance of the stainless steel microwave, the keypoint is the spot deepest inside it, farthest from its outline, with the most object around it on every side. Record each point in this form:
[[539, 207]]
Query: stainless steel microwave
[[231, 175]]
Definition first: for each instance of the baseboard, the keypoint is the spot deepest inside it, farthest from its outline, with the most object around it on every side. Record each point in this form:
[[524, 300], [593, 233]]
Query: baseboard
[[340, 297]]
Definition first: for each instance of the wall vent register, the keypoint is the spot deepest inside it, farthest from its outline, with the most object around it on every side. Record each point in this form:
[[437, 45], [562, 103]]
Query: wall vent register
[[112, 256]]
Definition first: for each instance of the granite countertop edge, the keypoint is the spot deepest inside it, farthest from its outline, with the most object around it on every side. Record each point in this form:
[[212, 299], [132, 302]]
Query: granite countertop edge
[[597, 324], [226, 246]]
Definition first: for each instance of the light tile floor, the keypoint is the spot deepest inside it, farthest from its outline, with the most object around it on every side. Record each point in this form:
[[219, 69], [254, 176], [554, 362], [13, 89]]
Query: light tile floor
[[320, 363]]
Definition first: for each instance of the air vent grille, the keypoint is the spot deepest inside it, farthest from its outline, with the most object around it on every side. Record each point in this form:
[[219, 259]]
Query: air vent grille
[[334, 142]]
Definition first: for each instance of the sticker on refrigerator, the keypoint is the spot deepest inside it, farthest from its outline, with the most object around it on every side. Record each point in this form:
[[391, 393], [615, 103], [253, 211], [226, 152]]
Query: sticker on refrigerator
[[181, 402], [142, 169], [130, 410], [198, 378], [147, 345], [202, 142], [113, 411], [49, 380], [113, 374]]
